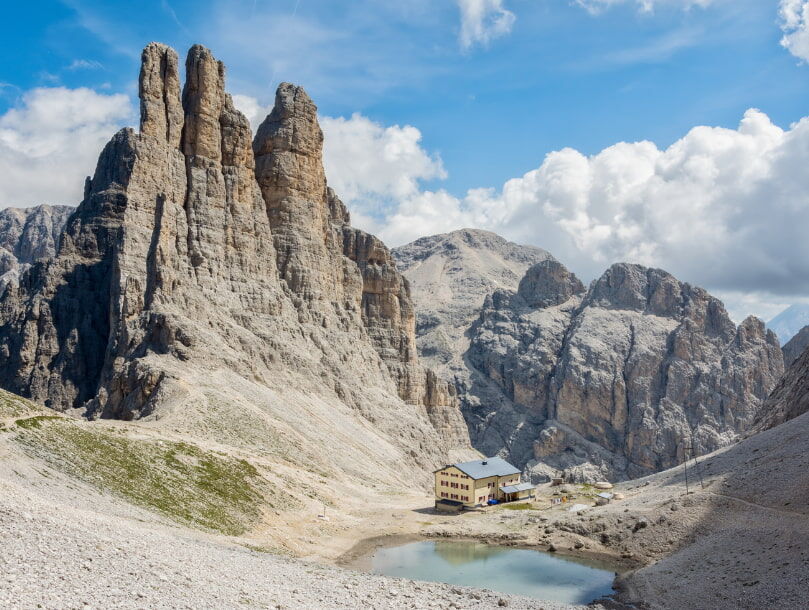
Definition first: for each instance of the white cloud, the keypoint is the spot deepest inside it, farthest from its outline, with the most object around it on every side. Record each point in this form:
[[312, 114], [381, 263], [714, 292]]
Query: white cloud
[[794, 15], [482, 21], [597, 6], [251, 108], [85, 64], [51, 141], [722, 208], [370, 165]]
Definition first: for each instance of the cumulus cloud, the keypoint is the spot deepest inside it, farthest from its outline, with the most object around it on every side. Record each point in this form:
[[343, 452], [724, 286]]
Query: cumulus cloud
[[726, 209], [371, 165], [251, 108], [723, 208], [482, 21], [51, 141], [794, 16]]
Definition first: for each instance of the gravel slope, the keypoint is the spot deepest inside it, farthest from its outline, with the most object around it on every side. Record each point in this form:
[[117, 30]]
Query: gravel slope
[[65, 544]]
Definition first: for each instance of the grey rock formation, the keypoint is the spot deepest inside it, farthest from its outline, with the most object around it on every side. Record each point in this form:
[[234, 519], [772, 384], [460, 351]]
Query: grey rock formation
[[796, 346], [450, 275], [27, 236], [607, 382], [619, 380], [790, 397], [197, 250]]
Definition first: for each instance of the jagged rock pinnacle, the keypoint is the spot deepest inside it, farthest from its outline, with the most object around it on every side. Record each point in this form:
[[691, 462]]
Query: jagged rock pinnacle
[[161, 114], [189, 256]]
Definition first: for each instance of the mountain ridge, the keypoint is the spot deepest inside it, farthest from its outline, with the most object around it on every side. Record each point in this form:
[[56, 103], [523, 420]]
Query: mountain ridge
[[598, 382]]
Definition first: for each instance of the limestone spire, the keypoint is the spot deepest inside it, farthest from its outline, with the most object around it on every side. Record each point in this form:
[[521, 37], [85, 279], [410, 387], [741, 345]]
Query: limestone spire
[[161, 114], [203, 102]]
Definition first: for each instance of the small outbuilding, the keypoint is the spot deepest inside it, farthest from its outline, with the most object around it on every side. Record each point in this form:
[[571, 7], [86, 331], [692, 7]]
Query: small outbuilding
[[603, 498], [520, 491]]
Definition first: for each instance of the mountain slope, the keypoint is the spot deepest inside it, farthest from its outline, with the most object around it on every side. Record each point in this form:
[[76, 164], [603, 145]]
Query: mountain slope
[[790, 397], [746, 527], [117, 514], [612, 381], [450, 275], [796, 346], [210, 284], [28, 235]]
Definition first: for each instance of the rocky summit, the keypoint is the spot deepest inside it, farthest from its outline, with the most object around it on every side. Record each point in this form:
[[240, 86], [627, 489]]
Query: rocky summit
[[451, 274], [617, 380], [211, 281]]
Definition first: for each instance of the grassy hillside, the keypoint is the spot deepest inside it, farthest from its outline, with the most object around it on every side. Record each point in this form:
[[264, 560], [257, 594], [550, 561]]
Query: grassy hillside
[[191, 485]]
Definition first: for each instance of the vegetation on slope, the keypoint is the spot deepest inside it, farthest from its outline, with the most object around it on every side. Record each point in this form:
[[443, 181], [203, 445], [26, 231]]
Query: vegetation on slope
[[12, 405], [200, 488]]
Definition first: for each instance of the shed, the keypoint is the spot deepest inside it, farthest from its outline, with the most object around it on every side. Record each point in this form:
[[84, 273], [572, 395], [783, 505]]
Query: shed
[[603, 498], [520, 491]]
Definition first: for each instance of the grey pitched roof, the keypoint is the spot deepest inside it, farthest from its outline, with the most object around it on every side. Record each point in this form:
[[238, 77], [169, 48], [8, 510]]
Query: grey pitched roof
[[510, 489], [489, 467]]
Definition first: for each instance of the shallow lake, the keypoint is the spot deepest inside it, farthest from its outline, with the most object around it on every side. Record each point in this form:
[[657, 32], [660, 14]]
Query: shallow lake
[[498, 568]]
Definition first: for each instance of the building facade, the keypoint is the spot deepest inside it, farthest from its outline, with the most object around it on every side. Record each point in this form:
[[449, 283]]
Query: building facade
[[477, 482]]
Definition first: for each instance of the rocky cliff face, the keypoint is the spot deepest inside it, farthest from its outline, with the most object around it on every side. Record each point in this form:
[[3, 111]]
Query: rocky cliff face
[[611, 381], [28, 235], [796, 346], [199, 252], [620, 379], [451, 274], [790, 397]]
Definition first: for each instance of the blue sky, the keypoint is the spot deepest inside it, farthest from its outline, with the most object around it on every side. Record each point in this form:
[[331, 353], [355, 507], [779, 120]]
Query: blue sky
[[489, 95], [562, 77]]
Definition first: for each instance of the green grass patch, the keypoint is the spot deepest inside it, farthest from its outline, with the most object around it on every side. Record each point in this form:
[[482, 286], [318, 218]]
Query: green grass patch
[[189, 485], [518, 506], [12, 405], [34, 423]]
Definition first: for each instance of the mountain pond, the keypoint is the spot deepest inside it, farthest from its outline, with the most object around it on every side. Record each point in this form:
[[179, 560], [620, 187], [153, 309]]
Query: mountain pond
[[498, 568]]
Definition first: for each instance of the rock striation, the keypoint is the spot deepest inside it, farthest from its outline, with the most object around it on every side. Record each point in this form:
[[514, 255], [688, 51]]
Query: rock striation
[[29, 235], [199, 251], [611, 381], [619, 380]]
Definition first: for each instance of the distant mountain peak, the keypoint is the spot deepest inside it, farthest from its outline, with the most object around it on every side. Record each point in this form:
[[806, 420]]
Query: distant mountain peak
[[789, 322]]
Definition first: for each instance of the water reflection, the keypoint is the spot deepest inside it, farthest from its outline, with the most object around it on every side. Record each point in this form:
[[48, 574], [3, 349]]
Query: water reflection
[[504, 569], [456, 554]]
